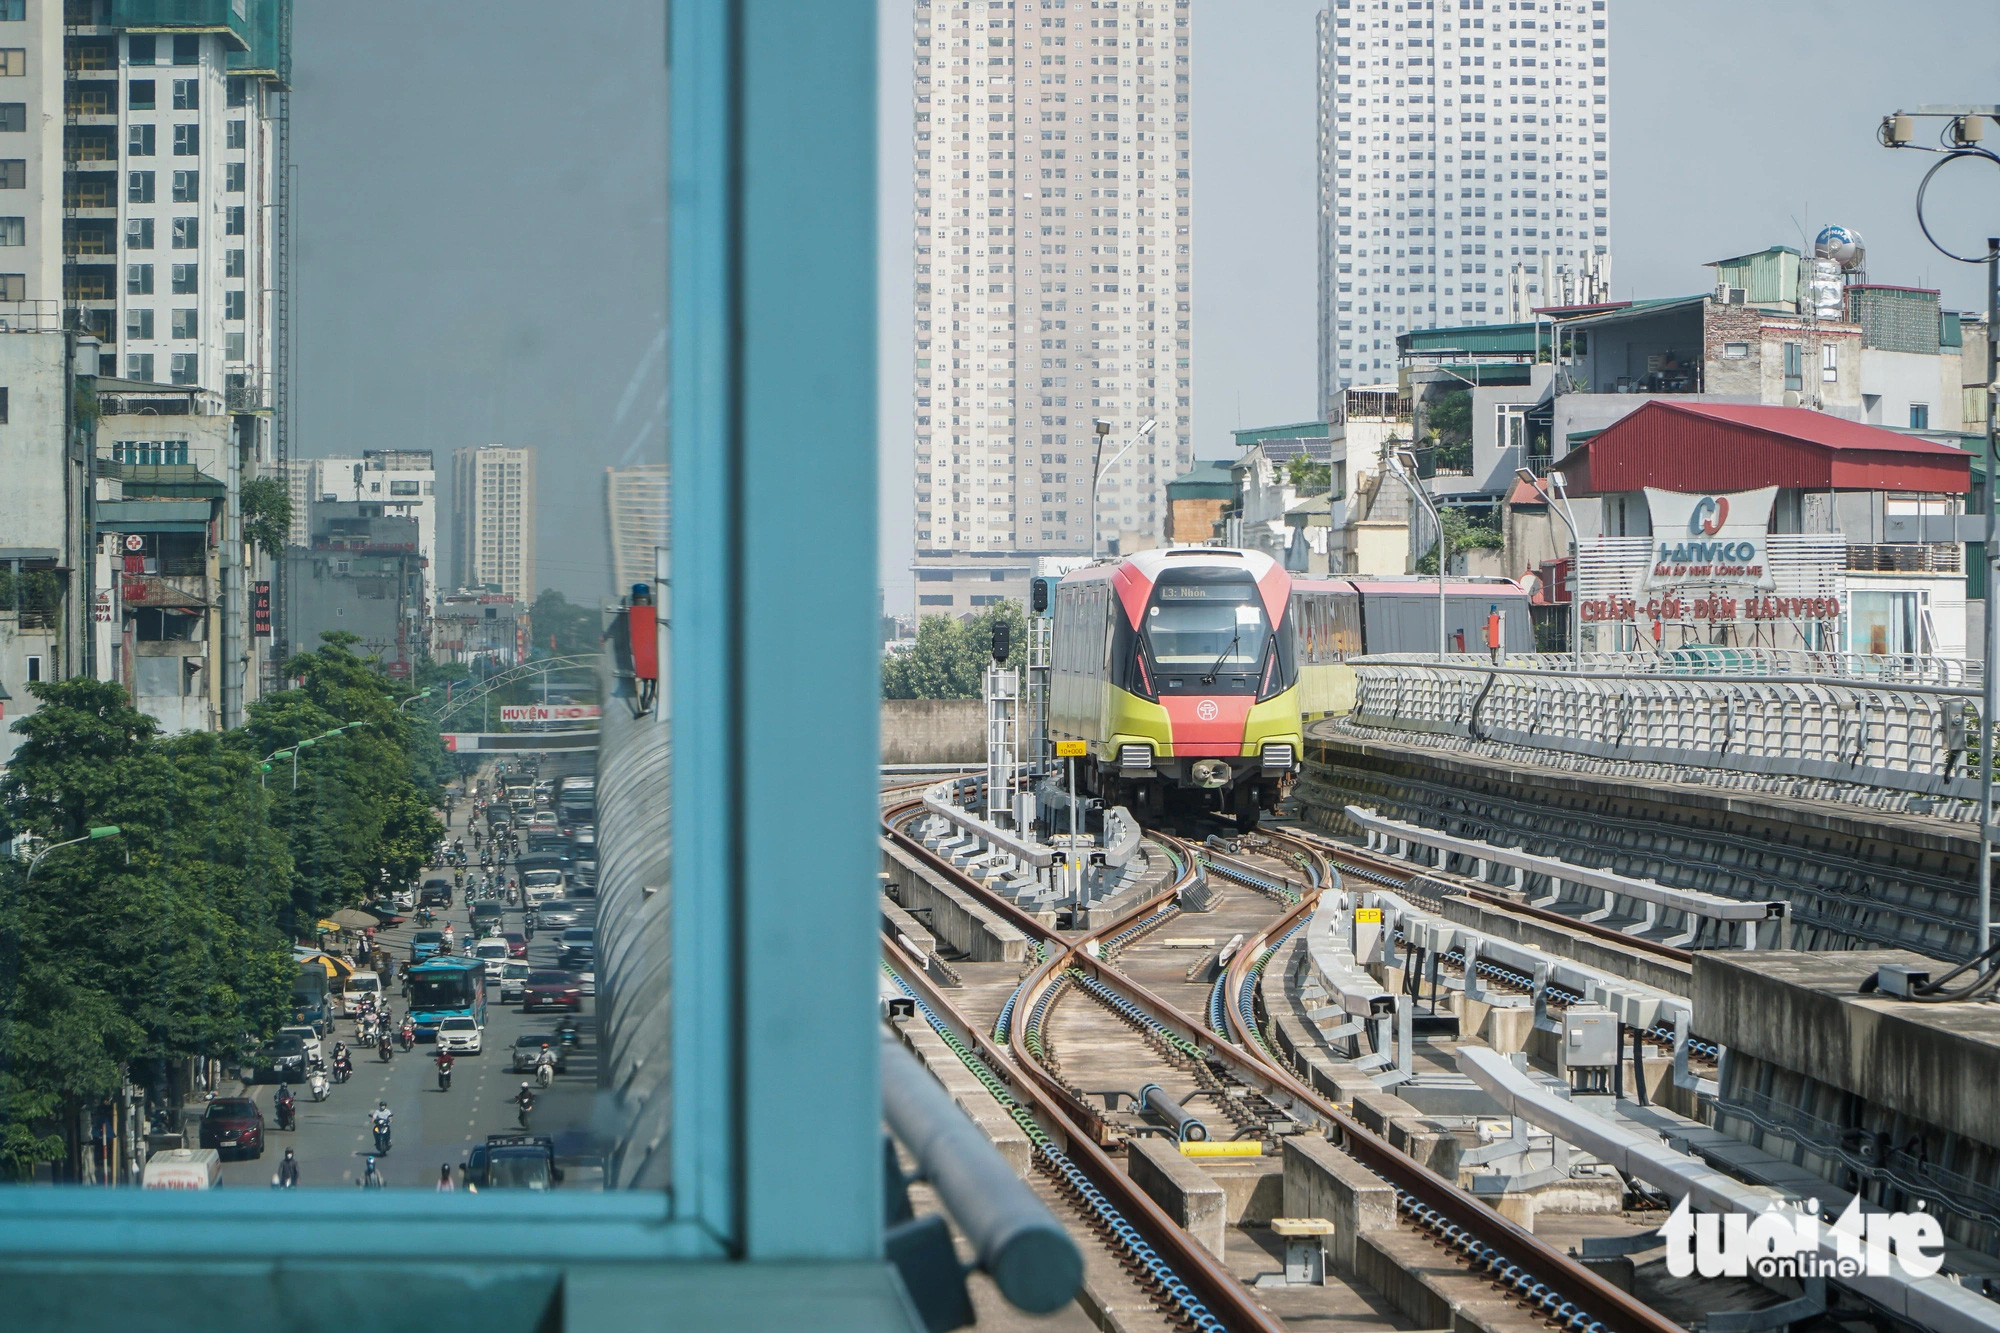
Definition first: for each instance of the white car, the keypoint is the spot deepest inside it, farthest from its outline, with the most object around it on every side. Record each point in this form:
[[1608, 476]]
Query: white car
[[310, 1036], [542, 819], [513, 980], [460, 1035], [493, 953], [586, 981]]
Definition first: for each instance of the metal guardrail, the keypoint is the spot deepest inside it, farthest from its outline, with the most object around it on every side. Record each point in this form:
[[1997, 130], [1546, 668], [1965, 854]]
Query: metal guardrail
[[1907, 736], [1720, 660], [1693, 906]]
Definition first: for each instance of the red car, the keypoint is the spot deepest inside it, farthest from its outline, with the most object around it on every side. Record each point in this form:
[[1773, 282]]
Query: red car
[[233, 1125], [551, 990], [517, 943]]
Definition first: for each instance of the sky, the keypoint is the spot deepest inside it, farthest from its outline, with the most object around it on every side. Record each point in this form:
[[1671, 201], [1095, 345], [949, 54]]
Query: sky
[[1734, 126], [480, 234]]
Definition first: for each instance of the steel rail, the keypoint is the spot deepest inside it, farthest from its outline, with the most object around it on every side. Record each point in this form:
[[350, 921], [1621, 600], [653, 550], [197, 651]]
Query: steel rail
[[1226, 1298], [1450, 1214], [1533, 1271]]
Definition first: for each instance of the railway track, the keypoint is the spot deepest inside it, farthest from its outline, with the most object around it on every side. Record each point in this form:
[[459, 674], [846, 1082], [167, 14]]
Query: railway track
[[1229, 1057]]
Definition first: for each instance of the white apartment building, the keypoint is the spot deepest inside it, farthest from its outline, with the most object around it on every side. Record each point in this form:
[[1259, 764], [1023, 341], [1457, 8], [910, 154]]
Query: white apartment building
[[402, 481], [493, 519], [1053, 241], [636, 505], [1463, 169]]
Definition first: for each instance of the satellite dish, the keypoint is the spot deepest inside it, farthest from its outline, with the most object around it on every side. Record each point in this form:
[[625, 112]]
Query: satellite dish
[[1842, 245]]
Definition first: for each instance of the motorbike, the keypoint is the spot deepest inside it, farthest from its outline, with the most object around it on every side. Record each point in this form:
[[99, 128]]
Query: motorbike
[[545, 1074], [382, 1049], [287, 1113], [524, 1109], [566, 1030], [408, 1036], [317, 1085], [444, 1078], [343, 1069], [382, 1139]]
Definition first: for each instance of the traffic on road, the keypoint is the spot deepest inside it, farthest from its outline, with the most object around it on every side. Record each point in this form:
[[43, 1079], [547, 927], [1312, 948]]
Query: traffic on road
[[461, 1053]]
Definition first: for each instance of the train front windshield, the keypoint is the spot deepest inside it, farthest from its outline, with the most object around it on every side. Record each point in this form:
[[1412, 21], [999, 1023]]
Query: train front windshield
[[1207, 627]]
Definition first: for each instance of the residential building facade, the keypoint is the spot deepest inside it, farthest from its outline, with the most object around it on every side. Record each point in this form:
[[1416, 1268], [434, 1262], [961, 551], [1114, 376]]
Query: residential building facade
[[1053, 240], [473, 625], [362, 574], [1464, 171], [635, 502], [402, 481], [493, 519]]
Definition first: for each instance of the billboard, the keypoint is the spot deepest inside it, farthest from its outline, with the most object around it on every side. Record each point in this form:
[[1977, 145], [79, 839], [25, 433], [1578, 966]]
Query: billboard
[[550, 713]]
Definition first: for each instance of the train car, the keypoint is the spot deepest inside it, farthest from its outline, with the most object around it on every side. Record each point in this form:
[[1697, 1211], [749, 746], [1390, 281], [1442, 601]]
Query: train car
[[1177, 668], [1336, 619]]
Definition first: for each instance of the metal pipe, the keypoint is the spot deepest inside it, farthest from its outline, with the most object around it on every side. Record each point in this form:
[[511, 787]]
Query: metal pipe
[[1017, 1240], [1187, 1127]]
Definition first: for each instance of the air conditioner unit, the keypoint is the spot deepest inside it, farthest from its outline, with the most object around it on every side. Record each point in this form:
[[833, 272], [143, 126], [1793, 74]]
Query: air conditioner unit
[[1737, 296], [1722, 293]]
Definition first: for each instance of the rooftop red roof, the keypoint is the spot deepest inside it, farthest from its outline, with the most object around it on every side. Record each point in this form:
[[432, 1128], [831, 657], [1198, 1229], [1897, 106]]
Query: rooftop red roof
[[1696, 446]]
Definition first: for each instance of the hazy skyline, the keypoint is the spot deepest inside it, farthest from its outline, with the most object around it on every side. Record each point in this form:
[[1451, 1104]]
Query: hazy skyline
[[1734, 127], [481, 239]]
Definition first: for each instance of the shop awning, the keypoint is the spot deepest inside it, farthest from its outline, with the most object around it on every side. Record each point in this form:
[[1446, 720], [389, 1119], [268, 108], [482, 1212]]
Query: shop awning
[[153, 515]]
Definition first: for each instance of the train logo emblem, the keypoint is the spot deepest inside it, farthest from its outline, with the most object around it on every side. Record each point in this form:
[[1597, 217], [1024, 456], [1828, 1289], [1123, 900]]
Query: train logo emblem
[[1207, 711]]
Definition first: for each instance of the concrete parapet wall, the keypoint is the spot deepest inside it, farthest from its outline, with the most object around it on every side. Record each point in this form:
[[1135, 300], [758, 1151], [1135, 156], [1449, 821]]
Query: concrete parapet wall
[[955, 917], [1181, 1188], [933, 731]]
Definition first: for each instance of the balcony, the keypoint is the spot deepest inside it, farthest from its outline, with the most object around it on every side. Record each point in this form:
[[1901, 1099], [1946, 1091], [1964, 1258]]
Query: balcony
[[1907, 558]]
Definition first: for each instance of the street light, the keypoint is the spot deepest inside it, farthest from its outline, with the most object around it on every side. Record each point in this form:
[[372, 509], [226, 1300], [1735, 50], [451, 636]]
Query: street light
[[1967, 127], [106, 831], [1404, 464], [1098, 469], [415, 698], [1575, 554]]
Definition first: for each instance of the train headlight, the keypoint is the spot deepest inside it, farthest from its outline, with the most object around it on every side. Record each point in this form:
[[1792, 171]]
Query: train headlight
[[1210, 773]]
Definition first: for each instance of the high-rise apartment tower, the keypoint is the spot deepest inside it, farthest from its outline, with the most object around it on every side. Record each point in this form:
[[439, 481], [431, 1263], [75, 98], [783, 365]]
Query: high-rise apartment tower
[[1053, 241], [493, 518], [635, 501], [1463, 150]]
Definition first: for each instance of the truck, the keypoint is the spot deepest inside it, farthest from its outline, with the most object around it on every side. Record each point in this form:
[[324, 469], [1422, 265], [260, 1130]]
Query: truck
[[512, 1161], [183, 1169]]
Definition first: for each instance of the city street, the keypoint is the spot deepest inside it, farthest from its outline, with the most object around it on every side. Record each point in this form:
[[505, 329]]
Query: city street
[[432, 1128]]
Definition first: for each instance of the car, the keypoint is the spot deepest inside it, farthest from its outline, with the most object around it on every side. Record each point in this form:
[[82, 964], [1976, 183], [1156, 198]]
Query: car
[[493, 953], [435, 893], [426, 944], [529, 1045], [556, 913], [540, 884], [517, 943], [578, 935], [542, 819], [513, 981], [404, 899], [586, 979], [512, 1161], [461, 1035], [551, 990], [233, 1125], [486, 919], [577, 958], [357, 985], [283, 1061], [308, 1035]]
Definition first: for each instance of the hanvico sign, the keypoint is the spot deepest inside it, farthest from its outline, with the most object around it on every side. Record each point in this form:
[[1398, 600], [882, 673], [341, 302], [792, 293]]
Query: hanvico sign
[[1709, 539]]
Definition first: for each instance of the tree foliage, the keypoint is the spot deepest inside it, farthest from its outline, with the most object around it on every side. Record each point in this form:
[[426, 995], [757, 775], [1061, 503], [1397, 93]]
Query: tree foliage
[[1464, 531], [1309, 477], [559, 626], [267, 514], [128, 955], [948, 660]]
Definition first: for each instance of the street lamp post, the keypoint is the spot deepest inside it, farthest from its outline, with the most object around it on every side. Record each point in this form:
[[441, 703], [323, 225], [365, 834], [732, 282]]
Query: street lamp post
[[1404, 464], [106, 831], [1575, 552], [1098, 468], [1967, 127]]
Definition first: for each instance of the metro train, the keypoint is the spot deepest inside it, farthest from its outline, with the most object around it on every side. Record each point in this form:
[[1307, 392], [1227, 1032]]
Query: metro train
[[1189, 672]]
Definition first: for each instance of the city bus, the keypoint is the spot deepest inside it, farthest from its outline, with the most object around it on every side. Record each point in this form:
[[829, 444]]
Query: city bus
[[443, 987]]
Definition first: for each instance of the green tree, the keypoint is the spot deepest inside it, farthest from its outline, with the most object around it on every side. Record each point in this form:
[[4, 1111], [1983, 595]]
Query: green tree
[[1463, 531], [267, 514], [948, 660], [1310, 478], [560, 627]]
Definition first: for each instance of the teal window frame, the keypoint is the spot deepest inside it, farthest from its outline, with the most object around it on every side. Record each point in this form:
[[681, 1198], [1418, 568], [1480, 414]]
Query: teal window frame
[[775, 1145]]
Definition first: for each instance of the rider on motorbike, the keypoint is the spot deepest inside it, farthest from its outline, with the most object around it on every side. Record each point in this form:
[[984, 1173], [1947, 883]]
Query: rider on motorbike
[[371, 1179], [286, 1105], [379, 1119], [545, 1059], [382, 1045]]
